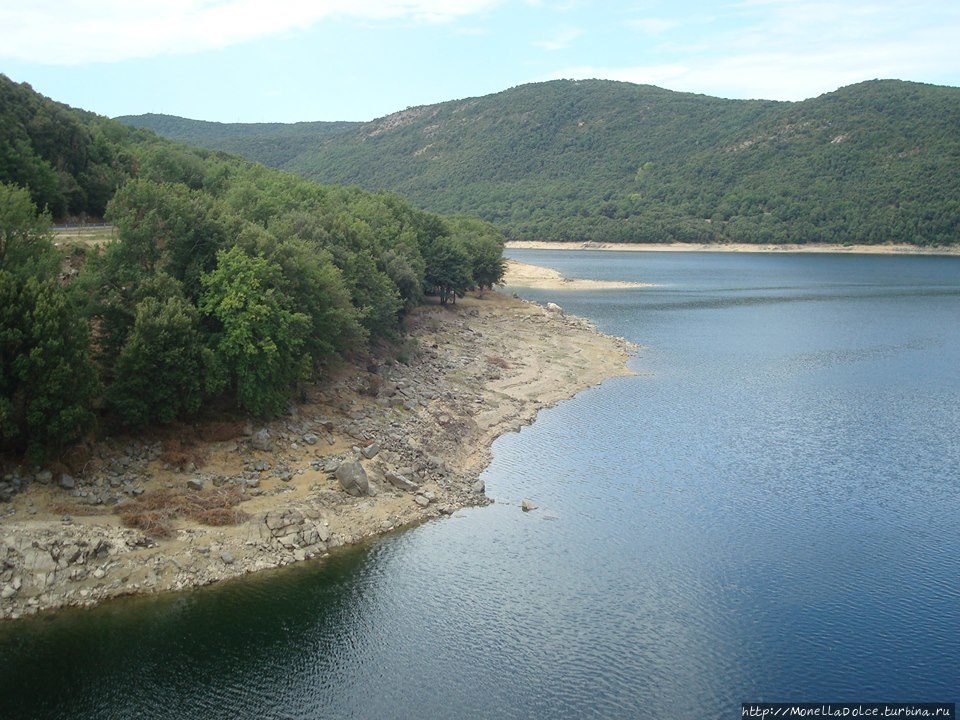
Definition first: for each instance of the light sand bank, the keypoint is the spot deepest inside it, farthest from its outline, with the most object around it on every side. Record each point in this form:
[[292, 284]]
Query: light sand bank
[[735, 247], [522, 275]]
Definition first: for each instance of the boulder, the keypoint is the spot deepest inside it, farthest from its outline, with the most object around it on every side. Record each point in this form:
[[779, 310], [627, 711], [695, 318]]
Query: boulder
[[262, 440], [67, 482], [353, 478], [401, 481], [528, 505], [195, 484], [370, 451]]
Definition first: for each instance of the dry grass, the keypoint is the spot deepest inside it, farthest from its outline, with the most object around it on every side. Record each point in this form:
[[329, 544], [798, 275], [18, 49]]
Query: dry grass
[[84, 235], [154, 512]]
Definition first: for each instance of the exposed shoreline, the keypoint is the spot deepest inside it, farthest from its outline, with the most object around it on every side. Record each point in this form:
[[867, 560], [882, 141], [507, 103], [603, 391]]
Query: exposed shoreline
[[735, 247], [475, 370], [524, 275]]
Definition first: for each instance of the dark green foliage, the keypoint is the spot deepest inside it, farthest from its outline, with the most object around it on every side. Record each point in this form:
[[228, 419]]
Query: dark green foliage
[[225, 278], [25, 247], [269, 143], [160, 369], [615, 162], [166, 227], [483, 244], [259, 339], [449, 273], [46, 381], [62, 155]]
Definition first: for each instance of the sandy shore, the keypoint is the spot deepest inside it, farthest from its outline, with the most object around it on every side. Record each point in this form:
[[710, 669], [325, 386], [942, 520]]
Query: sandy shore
[[522, 275], [421, 428], [736, 247]]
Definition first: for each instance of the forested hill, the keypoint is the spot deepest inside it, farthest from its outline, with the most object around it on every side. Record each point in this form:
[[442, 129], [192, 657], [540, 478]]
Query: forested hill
[[227, 284], [600, 160], [272, 144]]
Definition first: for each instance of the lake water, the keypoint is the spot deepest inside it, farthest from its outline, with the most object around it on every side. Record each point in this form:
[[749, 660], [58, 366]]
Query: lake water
[[768, 511]]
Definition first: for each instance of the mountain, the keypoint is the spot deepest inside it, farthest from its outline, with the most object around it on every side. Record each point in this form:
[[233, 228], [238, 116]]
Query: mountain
[[272, 144], [609, 161]]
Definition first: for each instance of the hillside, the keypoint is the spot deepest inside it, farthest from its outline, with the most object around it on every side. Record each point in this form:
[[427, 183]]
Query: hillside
[[272, 144], [609, 161], [228, 285]]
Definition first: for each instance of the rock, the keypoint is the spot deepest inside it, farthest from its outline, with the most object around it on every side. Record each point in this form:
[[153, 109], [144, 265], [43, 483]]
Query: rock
[[331, 466], [421, 501], [310, 439], [353, 478], [290, 540], [227, 557], [99, 574], [44, 477], [401, 481], [67, 482], [195, 484], [528, 505], [262, 440], [478, 488], [554, 308], [370, 451], [38, 560]]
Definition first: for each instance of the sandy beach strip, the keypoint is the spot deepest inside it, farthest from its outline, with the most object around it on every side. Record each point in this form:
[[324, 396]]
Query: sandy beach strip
[[736, 247], [523, 275]]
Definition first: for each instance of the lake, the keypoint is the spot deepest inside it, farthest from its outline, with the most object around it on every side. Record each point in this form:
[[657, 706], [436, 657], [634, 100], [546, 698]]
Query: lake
[[767, 511]]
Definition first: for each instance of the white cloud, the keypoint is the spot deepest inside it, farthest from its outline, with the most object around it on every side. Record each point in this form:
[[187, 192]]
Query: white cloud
[[795, 49], [81, 31]]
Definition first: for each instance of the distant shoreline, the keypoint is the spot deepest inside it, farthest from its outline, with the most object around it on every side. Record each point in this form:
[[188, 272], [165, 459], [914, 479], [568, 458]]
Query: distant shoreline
[[735, 247]]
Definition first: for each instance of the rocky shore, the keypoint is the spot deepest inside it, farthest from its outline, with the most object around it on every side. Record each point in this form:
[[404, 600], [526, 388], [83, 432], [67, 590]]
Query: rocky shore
[[370, 450]]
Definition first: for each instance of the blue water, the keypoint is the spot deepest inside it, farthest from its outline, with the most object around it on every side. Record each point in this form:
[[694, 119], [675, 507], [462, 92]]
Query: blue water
[[767, 511]]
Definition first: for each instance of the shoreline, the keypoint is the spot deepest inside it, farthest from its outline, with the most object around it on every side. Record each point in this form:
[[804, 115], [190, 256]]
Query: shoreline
[[524, 275], [422, 430], [734, 247]]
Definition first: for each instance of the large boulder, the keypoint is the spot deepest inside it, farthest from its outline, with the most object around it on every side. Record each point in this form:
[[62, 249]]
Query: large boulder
[[353, 478], [262, 441]]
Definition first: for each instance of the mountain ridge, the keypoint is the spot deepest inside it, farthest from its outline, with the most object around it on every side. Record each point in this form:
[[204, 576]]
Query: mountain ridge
[[611, 161]]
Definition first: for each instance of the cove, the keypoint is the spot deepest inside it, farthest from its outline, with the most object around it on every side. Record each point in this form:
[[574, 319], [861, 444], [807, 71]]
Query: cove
[[765, 512]]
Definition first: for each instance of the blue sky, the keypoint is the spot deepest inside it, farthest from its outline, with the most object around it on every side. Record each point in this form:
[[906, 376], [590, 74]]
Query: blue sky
[[291, 60]]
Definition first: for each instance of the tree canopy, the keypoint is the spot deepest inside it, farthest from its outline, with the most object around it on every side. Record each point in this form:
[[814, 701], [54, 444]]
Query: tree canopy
[[614, 162], [226, 281]]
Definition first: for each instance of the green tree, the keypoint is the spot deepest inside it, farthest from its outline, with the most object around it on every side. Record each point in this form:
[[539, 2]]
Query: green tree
[[448, 272], [160, 370], [166, 226], [46, 381], [483, 243], [258, 340], [25, 246]]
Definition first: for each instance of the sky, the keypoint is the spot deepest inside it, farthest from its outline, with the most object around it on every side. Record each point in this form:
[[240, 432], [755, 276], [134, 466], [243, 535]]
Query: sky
[[299, 60]]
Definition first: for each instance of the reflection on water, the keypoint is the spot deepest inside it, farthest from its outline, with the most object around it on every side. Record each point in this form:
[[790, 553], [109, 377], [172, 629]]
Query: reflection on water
[[767, 512]]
